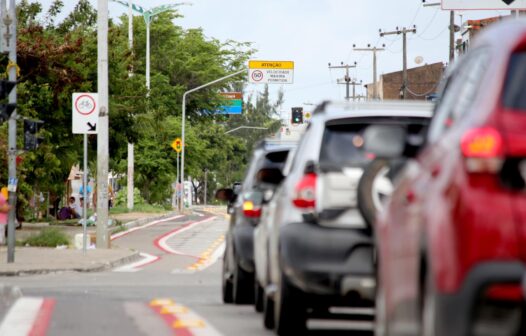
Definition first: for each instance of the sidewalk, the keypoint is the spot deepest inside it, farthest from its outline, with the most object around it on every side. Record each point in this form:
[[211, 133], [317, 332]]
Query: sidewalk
[[34, 260]]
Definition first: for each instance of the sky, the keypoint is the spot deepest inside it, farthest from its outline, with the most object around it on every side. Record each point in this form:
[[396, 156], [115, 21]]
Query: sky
[[313, 33]]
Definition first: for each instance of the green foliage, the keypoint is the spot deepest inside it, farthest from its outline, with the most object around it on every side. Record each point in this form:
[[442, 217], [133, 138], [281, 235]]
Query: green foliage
[[57, 59], [121, 198], [49, 237]]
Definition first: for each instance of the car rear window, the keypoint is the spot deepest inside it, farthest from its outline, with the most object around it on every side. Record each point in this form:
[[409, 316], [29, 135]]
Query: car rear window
[[343, 145], [514, 95]]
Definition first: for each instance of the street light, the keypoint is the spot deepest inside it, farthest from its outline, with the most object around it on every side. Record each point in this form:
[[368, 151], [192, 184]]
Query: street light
[[184, 117], [148, 16]]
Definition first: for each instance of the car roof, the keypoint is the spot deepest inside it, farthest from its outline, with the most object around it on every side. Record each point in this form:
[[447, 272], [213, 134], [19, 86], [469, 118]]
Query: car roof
[[337, 110]]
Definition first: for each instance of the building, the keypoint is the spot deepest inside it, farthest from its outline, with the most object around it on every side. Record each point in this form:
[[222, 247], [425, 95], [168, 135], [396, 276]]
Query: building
[[471, 28], [422, 82]]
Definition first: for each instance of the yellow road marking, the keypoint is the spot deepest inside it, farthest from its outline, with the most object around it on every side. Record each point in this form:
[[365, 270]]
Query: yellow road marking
[[188, 324], [174, 310], [161, 302]]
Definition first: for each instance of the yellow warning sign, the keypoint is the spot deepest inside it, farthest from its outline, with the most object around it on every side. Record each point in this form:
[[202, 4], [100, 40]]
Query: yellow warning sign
[[271, 65]]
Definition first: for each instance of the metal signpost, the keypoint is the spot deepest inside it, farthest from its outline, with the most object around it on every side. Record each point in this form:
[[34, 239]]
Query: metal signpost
[[85, 119], [271, 72], [483, 4], [177, 145]]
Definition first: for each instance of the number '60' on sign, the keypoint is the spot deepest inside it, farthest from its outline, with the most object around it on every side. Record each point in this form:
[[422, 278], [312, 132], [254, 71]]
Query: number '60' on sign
[[177, 145]]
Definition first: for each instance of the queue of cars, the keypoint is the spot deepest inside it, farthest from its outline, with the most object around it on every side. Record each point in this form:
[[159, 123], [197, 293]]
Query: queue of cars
[[415, 209]]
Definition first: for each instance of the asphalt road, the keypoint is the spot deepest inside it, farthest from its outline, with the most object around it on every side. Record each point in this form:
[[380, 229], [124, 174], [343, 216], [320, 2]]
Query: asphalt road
[[174, 290]]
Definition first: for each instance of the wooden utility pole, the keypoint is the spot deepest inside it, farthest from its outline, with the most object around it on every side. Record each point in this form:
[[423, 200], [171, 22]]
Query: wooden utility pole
[[373, 50], [404, 31], [347, 79]]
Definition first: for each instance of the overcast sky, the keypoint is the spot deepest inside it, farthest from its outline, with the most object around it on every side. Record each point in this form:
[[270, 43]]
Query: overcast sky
[[313, 33]]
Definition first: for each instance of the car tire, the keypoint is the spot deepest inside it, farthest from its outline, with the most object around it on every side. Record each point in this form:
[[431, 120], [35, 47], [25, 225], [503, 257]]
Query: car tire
[[259, 296], [290, 313], [228, 296], [243, 287], [428, 323], [367, 203], [268, 313]]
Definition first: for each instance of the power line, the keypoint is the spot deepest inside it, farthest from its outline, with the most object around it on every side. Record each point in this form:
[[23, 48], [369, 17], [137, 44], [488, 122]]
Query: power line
[[404, 31], [373, 50], [347, 79]]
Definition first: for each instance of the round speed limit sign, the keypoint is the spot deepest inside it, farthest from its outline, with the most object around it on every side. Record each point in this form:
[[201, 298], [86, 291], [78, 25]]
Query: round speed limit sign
[[257, 76]]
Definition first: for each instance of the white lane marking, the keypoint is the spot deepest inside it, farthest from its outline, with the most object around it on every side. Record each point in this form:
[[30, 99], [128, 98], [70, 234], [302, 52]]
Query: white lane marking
[[163, 241], [200, 330], [21, 317], [124, 233], [136, 266]]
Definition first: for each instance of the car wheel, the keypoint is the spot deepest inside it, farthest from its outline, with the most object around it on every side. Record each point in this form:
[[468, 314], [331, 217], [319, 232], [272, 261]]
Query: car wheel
[[268, 312], [380, 320], [243, 289], [374, 187], [429, 321], [290, 314], [226, 283], [259, 295]]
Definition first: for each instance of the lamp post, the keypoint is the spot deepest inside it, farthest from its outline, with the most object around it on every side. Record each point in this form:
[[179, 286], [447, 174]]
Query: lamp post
[[184, 118]]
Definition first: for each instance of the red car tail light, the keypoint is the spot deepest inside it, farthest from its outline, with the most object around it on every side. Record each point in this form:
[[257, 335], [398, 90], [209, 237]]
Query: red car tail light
[[483, 149], [506, 292], [250, 210], [305, 198]]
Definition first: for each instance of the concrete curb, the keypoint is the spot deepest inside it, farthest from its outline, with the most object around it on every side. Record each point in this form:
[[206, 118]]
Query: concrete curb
[[144, 221], [97, 267]]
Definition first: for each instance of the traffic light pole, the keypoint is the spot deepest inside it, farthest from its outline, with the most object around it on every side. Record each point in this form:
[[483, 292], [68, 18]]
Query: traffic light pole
[[11, 25]]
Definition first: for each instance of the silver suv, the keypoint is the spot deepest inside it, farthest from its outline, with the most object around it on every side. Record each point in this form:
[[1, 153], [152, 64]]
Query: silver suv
[[313, 247]]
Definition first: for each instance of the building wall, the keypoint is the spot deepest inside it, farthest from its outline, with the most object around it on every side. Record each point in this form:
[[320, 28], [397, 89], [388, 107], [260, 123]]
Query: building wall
[[422, 81]]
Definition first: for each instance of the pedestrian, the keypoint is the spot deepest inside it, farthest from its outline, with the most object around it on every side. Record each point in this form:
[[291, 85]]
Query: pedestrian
[[4, 210]]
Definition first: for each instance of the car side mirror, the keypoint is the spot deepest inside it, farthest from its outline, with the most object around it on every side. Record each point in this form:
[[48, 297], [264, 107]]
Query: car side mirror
[[385, 141], [225, 194], [272, 176]]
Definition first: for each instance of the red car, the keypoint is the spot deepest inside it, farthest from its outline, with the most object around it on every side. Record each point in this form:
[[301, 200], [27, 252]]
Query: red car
[[452, 239]]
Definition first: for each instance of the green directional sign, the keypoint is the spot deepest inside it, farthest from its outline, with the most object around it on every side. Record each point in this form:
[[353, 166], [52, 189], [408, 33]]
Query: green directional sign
[[135, 7]]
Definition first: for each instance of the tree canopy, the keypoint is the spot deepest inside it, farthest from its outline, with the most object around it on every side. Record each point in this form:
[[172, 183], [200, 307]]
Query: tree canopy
[[57, 59]]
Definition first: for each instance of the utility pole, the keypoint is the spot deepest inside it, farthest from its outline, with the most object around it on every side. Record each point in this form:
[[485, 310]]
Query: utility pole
[[103, 240], [131, 148], [353, 83], [451, 29], [10, 23], [206, 185], [373, 50], [404, 31], [347, 79]]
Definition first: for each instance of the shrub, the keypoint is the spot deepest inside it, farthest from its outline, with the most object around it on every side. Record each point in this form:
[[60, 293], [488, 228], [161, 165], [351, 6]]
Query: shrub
[[49, 237]]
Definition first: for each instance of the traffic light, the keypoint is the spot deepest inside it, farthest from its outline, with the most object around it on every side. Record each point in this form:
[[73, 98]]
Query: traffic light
[[31, 139], [6, 109], [297, 115]]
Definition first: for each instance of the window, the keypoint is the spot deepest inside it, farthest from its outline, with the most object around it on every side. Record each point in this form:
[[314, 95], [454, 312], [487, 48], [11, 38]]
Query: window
[[342, 145], [459, 92], [514, 95]]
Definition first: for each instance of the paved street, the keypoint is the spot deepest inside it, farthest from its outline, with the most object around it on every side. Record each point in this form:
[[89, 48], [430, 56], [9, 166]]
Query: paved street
[[174, 288]]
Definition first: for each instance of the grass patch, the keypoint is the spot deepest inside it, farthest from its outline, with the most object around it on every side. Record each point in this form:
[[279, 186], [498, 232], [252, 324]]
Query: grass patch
[[49, 237], [118, 228], [148, 208]]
